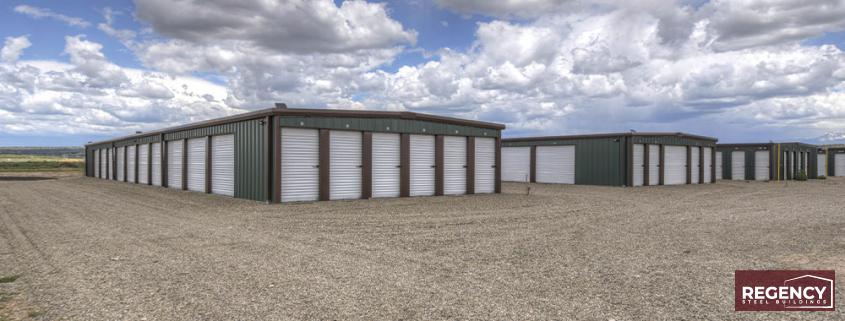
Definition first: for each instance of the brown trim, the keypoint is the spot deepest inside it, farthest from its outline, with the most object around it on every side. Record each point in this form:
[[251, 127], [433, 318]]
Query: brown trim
[[277, 160], [608, 135], [405, 165], [498, 186], [713, 165], [660, 165], [164, 161], [629, 145], [700, 165], [136, 164], [367, 165], [439, 151], [208, 160], [114, 163], [268, 156], [689, 164], [149, 164], [470, 165], [185, 164], [125, 164], [325, 164], [533, 167], [646, 165]]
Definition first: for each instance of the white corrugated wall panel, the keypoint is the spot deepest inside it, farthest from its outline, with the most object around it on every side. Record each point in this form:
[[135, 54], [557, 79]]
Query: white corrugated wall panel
[[839, 164], [121, 152], [639, 164], [675, 159], [300, 164], [695, 162], [155, 174], [110, 163], [454, 165], [738, 165], [761, 165], [719, 173], [97, 163], [223, 165], [130, 164], [820, 165], [346, 165], [143, 164], [516, 164], [556, 164], [708, 164], [485, 165], [422, 165], [174, 164], [653, 164], [386, 165], [196, 164]]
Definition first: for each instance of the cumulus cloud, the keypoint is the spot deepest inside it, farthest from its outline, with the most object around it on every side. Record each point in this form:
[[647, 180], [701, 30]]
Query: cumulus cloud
[[40, 13], [506, 8], [13, 47]]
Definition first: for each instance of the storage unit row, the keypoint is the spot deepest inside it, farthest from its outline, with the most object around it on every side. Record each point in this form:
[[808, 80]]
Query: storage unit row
[[831, 161], [767, 161]]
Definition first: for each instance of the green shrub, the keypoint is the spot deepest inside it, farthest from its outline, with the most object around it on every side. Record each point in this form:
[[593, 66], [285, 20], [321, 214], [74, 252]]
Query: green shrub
[[802, 176]]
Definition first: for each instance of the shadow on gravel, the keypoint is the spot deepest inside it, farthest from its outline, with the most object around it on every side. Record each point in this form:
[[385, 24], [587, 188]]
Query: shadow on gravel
[[24, 178]]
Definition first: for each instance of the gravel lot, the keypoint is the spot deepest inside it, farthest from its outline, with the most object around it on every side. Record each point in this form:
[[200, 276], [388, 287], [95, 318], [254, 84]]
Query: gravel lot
[[88, 249]]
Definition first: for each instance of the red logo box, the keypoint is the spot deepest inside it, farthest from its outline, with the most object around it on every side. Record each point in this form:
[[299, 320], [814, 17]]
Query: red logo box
[[784, 290]]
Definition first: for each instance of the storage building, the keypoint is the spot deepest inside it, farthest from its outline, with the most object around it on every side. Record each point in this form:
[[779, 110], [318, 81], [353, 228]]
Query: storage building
[[623, 159], [285, 155], [766, 161], [831, 160]]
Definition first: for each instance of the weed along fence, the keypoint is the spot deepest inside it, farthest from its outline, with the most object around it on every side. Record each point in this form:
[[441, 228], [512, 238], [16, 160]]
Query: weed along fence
[[623, 159], [767, 161], [286, 155]]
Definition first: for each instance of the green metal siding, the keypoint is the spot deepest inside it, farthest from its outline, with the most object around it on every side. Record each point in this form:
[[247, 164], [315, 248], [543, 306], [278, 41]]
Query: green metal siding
[[391, 125], [598, 161]]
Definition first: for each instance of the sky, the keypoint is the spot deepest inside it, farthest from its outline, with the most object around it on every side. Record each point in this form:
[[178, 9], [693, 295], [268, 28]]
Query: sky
[[739, 70]]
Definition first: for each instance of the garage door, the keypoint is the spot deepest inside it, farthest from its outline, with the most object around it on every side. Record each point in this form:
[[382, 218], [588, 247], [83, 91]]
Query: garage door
[[454, 165], [174, 164], [820, 167], [121, 153], [839, 165], [196, 164], [653, 164], [386, 165], [806, 161], [485, 165], [761, 165], [719, 173], [130, 164], [556, 164], [516, 164], [738, 165], [708, 164], [791, 165], [695, 162], [675, 171], [143, 164], [422, 165], [639, 164], [110, 163], [156, 164], [345, 165], [223, 165], [785, 166], [300, 165]]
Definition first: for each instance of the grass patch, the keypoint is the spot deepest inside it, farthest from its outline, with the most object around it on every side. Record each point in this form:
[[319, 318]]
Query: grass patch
[[9, 279], [39, 163]]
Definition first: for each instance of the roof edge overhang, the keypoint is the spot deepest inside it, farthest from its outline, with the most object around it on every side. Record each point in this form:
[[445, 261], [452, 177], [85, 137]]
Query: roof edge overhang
[[607, 135]]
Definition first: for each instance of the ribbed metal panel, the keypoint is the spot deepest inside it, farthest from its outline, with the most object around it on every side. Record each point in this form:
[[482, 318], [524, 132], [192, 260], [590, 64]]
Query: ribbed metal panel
[[156, 172], [454, 165], [300, 161], [675, 161], [516, 164], [196, 164], [143, 164], [820, 168], [120, 169], [738, 165], [109, 162], [556, 164], [130, 164], [386, 162], [639, 164], [485, 165], [422, 165], [839, 165], [761, 165], [653, 164], [174, 164], [251, 159], [719, 173], [695, 162], [223, 165], [708, 164], [346, 165], [98, 164], [386, 125], [671, 140]]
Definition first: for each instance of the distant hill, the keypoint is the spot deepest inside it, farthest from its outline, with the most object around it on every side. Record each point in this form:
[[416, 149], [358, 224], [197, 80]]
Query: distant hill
[[827, 139], [67, 152]]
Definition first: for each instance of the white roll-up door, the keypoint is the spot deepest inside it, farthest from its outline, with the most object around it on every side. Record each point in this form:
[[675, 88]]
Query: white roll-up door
[[639, 164], [516, 164], [196, 164], [653, 164], [761, 165], [820, 165], [485, 165], [155, 174], [174, 164], [708, 164], [386, 165], [675, 161], [738, 165], [130, 164], [556, 164], [110, 163], [784, 165], [792, 165], [300, 164], [143, 164], [454, 165], [839, 165], [223, 165], [121, 153], [695, 162], [806, 162], [719, 173], [345, 165], [422, 165]]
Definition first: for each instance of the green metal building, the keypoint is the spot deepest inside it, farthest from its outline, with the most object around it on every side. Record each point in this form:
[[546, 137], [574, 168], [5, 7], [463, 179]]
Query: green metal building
[[286, 155], [831, 160], [766, 161], [618, 159]]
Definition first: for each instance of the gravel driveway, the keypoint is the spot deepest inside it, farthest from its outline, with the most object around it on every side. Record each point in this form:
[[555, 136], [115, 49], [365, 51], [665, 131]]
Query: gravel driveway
[[87, 249]]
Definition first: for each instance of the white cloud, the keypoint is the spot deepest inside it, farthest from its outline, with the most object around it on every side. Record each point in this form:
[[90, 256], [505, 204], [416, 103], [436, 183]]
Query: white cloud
[[504, 8], [39, 13], [13, 48]]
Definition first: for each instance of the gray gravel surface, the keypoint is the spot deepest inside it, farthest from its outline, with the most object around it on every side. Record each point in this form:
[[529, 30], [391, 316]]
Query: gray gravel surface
[[89, 249]]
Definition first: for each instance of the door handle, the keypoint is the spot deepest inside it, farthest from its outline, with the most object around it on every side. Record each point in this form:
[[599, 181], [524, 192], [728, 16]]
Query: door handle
[[316, 166], [360, 166]]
